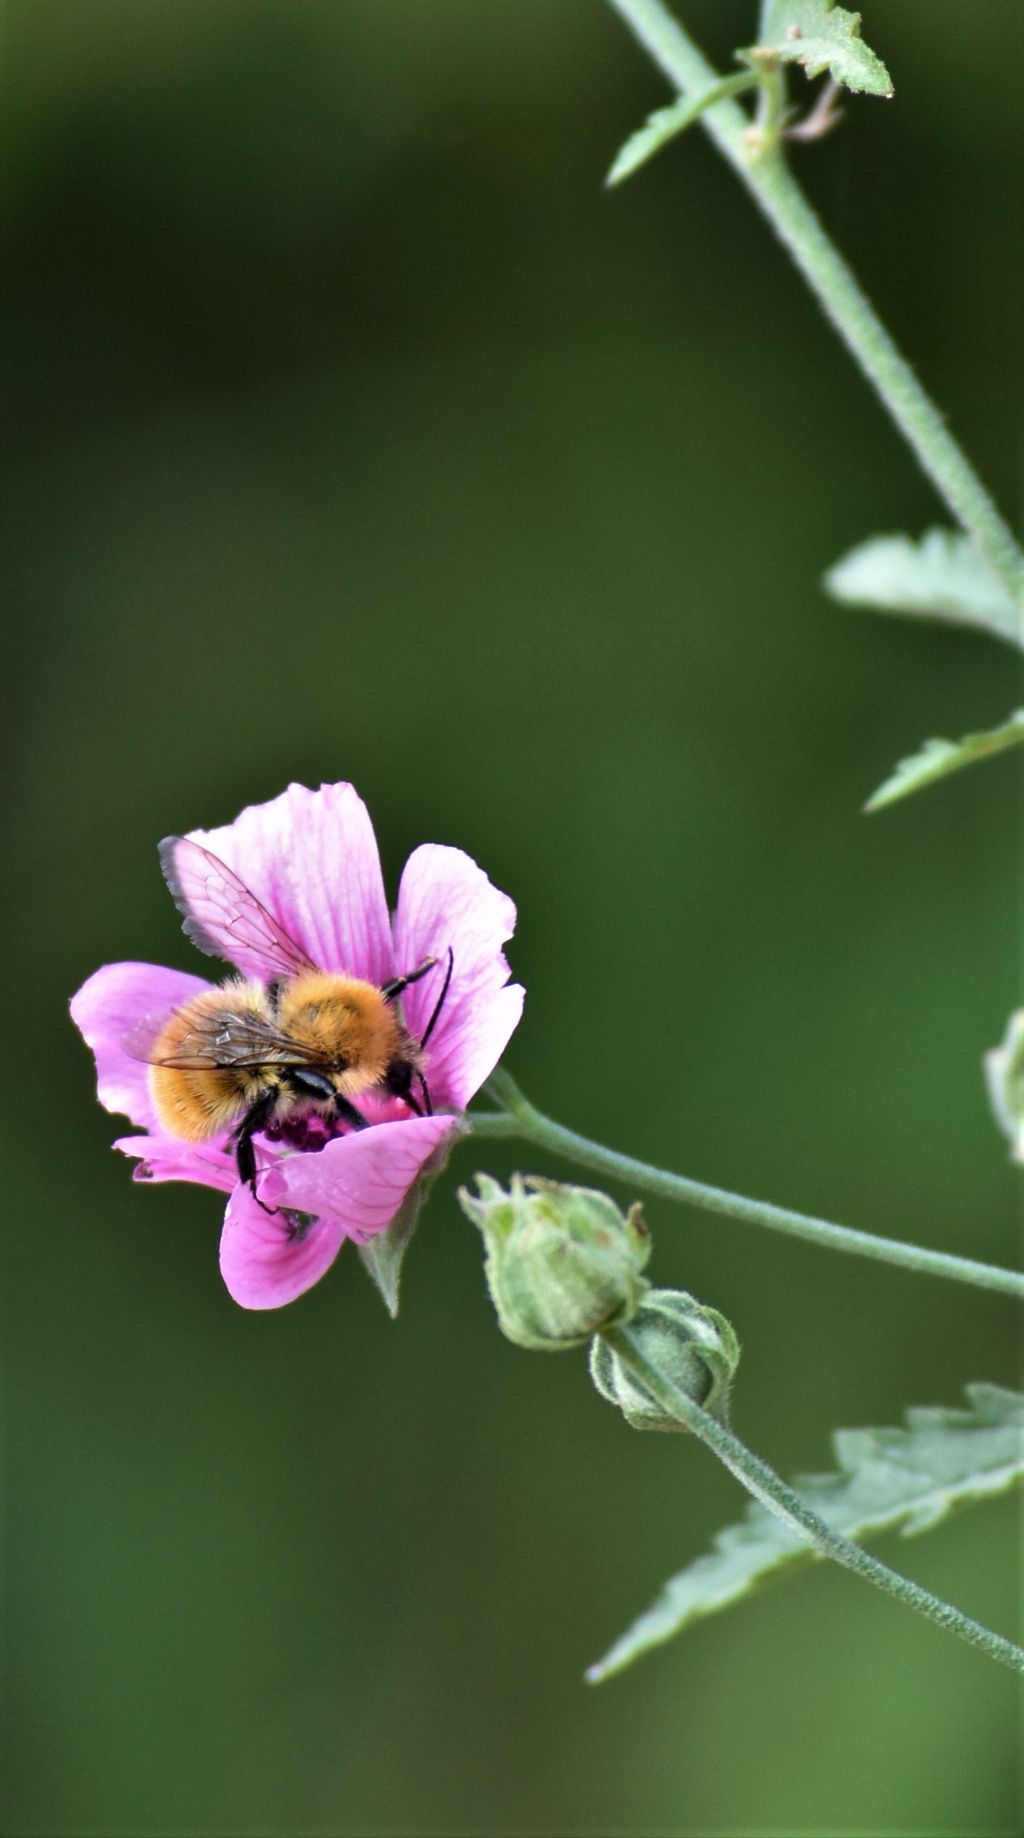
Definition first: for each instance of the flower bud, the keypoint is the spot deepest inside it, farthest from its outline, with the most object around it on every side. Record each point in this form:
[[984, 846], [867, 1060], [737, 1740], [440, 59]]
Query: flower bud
[[1004, 1070], [561, 1261], [693, 1346]]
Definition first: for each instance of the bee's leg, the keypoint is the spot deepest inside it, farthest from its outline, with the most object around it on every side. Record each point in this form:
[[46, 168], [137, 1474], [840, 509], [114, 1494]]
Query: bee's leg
[[426, 1109], [245, 1153], [348, 1113], [306, 1082]]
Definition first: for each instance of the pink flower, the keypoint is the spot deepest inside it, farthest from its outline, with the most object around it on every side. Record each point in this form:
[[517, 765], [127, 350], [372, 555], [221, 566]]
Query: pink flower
[[310, 859]]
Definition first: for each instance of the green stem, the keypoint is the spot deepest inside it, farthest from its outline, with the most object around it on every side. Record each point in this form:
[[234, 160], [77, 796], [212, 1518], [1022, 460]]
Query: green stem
[[768, 179], [521, 1120], [774, 1493]]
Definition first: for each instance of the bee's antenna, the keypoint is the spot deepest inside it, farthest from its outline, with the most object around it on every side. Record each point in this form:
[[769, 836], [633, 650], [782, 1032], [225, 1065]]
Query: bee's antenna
[[439, 1004]]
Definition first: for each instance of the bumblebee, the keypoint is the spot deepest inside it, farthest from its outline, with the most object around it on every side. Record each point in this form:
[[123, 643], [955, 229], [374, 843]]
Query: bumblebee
[[286, 1057]]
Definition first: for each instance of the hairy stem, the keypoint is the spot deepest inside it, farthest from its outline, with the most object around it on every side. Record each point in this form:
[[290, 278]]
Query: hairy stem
[[774, 1493], [767, 177], [521, 1120]]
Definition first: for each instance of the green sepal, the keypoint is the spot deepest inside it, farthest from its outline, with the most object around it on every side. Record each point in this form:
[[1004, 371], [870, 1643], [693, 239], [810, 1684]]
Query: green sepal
[[693, 1346], [384, 1254], [821, 36]]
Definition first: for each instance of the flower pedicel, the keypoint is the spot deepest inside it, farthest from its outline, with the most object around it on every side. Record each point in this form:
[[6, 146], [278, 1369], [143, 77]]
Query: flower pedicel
[[295, 1088]]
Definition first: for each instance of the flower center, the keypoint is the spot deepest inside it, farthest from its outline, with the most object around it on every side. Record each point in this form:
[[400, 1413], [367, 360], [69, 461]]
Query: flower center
[[307, 1134]]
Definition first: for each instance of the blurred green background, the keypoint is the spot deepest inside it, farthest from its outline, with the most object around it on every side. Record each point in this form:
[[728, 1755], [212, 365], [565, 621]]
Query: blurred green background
[[356, 432]]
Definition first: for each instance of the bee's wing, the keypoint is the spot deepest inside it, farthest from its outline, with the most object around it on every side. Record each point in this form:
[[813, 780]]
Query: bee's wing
[[218, 910], [223, 1038]]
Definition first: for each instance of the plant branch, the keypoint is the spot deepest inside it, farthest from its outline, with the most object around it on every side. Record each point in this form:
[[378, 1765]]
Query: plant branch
[[767, 177], [521, 1120], [781, 1499]]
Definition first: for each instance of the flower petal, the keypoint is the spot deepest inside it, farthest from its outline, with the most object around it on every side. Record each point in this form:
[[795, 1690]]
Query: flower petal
[[359, 1180], [167, 1158], [354, 1188], [111, 1005], [311, 858], [264, 1261], [445, 901]]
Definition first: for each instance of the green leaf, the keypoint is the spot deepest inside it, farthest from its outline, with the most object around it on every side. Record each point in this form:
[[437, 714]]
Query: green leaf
[[822, 37], [937, 757], [666, 123], [383, 1255], [1004, 1076], [941, 577], [908, 1478]]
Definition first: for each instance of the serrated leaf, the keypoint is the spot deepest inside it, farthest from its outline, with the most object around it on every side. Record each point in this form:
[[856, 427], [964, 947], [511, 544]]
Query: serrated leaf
[[383, 1255], [822, 37], [939, 757], [908, 1478], [666, 123], [940, 577]]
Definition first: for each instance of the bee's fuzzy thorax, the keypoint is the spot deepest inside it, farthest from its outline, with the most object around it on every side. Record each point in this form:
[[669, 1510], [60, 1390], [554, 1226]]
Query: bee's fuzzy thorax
[[346, 1023]]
